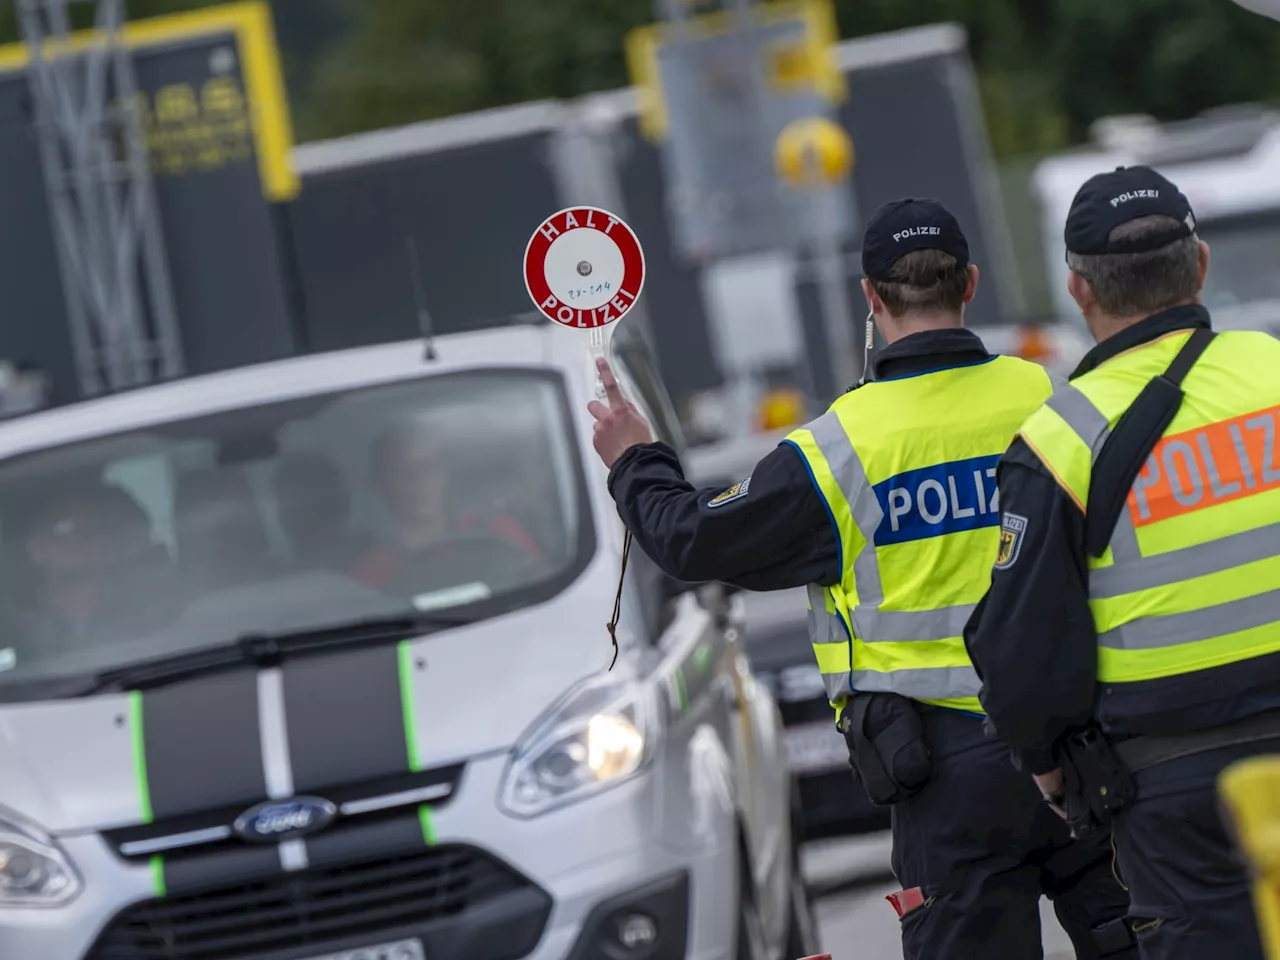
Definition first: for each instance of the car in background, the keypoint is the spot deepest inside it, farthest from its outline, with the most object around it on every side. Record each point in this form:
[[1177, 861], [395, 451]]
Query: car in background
[[308, 661]]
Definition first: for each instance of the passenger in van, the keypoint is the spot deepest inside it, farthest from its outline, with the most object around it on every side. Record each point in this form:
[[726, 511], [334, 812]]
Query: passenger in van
[[413, 477], [92, 567]]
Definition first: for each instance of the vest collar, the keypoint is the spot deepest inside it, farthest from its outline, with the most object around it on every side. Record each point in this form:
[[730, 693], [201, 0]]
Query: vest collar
[[927, 350], [1144, 331]]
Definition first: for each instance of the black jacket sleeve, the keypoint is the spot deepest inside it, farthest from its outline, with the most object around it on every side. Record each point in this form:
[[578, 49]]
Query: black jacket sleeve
[[1032, 638], [771, 531]]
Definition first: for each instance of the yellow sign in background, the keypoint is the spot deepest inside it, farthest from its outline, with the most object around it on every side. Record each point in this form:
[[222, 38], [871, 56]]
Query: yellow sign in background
[[189, 128], [807, 64]]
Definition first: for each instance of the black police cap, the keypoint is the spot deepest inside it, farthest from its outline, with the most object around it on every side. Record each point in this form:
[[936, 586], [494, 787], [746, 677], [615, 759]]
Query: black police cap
[[1126, 193], [905, 226]]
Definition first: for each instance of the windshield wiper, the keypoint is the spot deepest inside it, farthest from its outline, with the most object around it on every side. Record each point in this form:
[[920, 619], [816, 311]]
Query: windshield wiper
[[262, 650]]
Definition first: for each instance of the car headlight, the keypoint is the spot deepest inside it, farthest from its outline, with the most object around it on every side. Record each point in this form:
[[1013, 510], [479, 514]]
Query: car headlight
[[34, 872], [595, 737]]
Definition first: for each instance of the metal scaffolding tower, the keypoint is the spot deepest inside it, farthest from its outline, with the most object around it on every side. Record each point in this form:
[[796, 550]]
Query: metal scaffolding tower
[[102, 199]]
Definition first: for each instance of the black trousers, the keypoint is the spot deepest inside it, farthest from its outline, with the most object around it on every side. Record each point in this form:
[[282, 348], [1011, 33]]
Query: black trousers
[[1190, 893], [984, 847]]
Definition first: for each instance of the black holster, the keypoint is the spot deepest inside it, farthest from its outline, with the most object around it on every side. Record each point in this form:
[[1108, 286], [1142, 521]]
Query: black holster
[[1115, 941], [1097, 784], [887, 746]]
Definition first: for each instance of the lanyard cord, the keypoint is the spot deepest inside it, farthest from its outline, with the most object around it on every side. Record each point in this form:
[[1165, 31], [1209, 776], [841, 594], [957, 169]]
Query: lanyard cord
[[612, 625]]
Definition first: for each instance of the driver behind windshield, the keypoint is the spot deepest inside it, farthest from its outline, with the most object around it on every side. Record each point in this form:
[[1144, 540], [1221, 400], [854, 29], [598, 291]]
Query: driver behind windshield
[[418, 482]]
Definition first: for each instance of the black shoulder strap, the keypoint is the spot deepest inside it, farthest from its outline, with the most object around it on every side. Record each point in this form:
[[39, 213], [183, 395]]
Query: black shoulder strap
[[1136, 433]]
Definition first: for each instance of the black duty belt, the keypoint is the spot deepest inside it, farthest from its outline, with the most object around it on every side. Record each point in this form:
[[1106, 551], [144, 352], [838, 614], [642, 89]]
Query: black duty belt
[[1142, 753]]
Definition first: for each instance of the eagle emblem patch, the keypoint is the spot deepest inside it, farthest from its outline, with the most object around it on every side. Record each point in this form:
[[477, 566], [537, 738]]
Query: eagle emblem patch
[[1012, 527], [736, 492]]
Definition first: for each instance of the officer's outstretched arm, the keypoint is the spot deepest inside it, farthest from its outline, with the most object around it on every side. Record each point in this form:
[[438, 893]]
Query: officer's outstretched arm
[[1032, 638], [769, 531]]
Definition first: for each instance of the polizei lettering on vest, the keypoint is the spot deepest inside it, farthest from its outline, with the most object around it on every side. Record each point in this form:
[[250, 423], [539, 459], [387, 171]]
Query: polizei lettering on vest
[[939, 499], [1209, 465]]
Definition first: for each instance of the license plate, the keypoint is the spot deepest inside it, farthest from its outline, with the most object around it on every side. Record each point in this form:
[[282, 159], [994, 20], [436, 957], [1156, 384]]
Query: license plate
[[400, 950], [816, 748]]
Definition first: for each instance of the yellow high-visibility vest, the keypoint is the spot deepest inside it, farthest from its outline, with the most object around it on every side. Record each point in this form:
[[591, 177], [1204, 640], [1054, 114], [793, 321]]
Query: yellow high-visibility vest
[[907, 469], [1191, 577]]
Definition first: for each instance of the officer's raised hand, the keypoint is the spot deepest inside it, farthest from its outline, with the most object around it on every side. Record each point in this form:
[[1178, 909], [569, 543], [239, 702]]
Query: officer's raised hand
[[618, 425]]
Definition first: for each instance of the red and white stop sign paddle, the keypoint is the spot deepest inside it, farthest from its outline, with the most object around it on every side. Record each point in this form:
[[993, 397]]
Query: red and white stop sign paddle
[[583, 267]]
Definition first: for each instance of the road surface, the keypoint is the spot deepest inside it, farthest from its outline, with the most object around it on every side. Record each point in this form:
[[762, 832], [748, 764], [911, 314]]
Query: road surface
[[855, 922]]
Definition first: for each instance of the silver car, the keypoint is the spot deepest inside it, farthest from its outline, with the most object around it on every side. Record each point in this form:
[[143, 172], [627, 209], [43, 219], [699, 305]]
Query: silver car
[[309, 660]]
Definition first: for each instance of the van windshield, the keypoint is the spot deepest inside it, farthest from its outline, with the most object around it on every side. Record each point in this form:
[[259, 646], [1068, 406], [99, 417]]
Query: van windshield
[[453, 495], [1245, 251]]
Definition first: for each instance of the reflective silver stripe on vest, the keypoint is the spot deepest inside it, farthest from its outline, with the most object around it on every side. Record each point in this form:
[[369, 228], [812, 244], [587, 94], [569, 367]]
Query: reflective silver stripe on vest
[[826, 627], [898, 626], [1187, 563], [870, 623], [926, 683], [829, 434], [1148, 633], [1081, 416], [1093, 428], [837, 686]]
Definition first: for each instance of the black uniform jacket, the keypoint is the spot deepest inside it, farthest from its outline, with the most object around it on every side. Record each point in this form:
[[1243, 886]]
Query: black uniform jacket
[[771, 531], [1032, 638]]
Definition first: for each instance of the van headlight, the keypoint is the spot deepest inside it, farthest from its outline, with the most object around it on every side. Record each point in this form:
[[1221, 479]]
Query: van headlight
[[34, 872], [597, 736]]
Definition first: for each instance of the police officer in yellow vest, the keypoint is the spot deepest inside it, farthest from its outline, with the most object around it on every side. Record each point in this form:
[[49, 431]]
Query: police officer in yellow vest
[[1131, 636], [886, 508]]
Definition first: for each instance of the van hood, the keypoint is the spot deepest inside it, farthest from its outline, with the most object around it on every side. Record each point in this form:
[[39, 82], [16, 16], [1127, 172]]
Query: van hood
[[355, 716]]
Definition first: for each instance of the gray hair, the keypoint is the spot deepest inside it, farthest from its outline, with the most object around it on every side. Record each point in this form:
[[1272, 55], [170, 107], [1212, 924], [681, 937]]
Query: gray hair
[[1133, 284]]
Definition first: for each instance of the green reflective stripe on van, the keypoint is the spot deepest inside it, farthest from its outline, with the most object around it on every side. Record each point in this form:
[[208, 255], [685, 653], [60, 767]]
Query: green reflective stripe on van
[[428, 825], [157, 876], [405, 652], [681, 691], [140, 756]]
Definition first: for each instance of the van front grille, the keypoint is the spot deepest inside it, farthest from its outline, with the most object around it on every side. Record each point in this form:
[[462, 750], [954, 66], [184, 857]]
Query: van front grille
[[318, 907]]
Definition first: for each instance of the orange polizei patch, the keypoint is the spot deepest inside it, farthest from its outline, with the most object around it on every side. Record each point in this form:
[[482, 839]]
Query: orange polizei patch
[[1209, 465]]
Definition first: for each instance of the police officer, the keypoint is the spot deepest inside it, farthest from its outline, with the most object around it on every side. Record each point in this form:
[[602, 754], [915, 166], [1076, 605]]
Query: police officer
[[1168, 639], [886, 508]]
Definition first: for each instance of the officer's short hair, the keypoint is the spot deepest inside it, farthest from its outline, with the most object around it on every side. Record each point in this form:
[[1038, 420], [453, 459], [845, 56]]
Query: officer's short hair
[[1129, 284], [924, 281]]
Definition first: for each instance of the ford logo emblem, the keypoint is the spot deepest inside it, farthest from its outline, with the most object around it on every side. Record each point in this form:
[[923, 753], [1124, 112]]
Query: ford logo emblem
[[279, 820]]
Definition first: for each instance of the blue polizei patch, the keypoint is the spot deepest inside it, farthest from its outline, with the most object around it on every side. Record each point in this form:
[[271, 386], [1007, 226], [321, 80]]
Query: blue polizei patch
[[937, 500]]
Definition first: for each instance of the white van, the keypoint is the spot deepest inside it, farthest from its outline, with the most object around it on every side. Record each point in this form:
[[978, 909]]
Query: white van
[[308, 661]]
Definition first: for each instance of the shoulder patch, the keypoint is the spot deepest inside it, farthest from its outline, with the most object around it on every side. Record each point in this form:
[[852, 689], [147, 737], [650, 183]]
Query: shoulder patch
[[736, 492], [1012, 527]]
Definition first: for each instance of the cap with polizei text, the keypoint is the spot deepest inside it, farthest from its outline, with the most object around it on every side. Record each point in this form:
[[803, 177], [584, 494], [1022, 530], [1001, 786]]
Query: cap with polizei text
[[1107, 200], [905, 226]]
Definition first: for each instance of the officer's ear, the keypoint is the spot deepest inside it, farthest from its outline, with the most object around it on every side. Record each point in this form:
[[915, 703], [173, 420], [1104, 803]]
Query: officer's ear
[[1203, 258], [971, 288], [874, 303], [1081, 292]]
